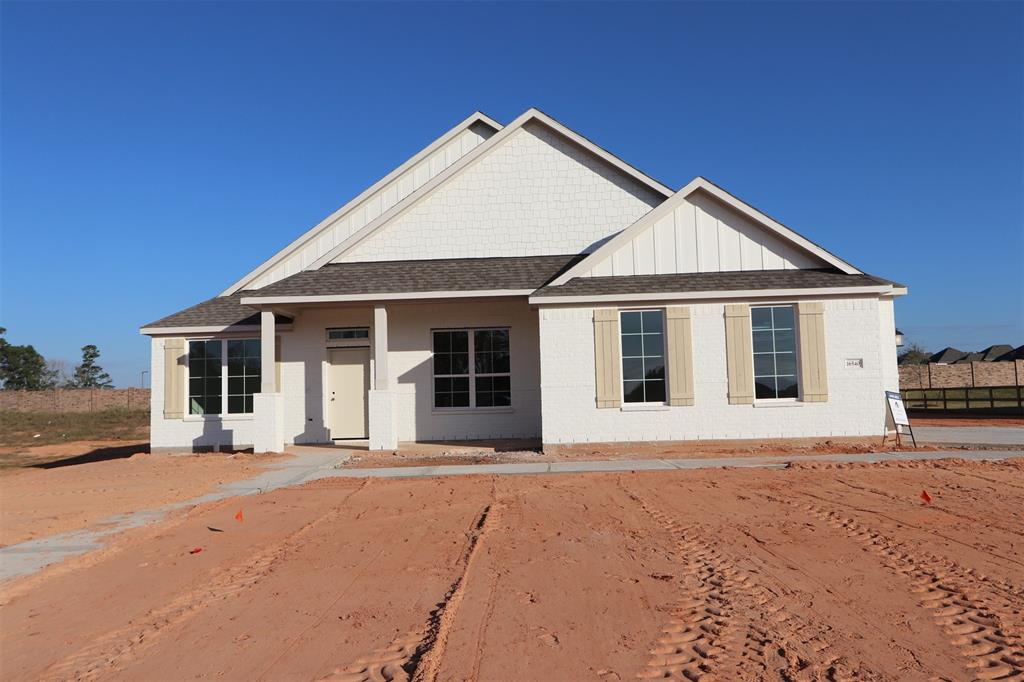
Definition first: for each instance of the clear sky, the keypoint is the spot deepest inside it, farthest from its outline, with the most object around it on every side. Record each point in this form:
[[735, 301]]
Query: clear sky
[[153, 152]]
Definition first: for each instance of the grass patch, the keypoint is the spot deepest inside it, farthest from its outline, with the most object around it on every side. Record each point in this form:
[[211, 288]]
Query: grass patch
[[20, 429]]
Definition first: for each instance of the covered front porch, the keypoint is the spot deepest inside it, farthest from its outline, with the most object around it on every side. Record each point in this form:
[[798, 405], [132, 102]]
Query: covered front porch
[[374, 374]]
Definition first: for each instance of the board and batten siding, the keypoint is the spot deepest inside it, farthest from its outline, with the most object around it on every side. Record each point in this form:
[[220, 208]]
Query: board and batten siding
[[703, 235], [373, 206]]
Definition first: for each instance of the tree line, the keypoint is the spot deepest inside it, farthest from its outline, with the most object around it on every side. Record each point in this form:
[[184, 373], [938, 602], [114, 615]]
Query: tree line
[[24, 368]]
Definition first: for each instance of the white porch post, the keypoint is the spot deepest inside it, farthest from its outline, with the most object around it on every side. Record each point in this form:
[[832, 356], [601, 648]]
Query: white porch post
[[382, 426], [268, 404]]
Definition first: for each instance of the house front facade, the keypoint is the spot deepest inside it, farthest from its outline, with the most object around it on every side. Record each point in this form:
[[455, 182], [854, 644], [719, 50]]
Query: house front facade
[[520, 282]]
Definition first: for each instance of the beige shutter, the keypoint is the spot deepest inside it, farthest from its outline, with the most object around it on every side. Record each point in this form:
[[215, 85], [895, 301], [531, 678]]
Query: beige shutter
[[606, 357], [679, 353], [739, 354], [174, 378], [813, 366]]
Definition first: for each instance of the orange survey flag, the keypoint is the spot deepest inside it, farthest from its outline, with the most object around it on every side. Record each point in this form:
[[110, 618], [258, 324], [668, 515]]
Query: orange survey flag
[[239, 517], [924, 496]]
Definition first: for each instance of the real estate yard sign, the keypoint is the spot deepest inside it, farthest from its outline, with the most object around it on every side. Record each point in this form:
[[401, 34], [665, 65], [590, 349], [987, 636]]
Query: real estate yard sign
[[898, 412]]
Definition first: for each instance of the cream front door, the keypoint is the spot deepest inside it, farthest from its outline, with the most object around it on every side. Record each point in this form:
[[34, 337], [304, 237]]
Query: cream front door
[[348, 379]]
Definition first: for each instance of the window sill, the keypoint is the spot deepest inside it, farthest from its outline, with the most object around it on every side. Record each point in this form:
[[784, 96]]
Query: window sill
[[218, 417], [472, 410], [645, 407], [788, 402]]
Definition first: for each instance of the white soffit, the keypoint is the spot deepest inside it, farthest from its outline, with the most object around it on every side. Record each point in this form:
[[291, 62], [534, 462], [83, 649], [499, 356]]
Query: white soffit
[[475, 155], [382, 186], [610, 247]]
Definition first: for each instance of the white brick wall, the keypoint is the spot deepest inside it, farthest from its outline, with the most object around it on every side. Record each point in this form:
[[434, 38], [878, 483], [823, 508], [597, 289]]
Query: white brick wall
[[855, 407], [536, 194]]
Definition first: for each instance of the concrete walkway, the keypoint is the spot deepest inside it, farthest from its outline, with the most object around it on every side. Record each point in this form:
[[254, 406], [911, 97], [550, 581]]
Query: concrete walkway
[[313, 463], [971, 435]]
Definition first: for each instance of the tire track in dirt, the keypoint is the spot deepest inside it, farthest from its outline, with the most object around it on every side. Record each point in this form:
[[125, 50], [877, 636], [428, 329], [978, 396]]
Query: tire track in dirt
[[976, 628], [728, 626], [107, 651], [417, 655]]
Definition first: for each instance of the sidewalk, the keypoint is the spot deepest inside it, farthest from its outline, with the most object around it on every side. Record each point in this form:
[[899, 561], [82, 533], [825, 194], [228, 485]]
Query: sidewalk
[[314, 463]]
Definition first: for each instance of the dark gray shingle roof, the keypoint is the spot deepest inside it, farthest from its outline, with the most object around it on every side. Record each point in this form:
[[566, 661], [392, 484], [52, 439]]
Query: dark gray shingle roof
[[454, 274], [711, 281], [219, 311], [411, 276]]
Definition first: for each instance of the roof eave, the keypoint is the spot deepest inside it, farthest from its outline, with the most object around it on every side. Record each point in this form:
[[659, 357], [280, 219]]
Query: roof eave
[[881, 290]]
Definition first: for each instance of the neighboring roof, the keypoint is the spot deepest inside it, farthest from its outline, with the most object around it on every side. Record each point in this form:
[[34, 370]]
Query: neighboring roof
[[476, 118], [947, 355], [718, 283], [218, 312], [479, 152], [996, 352], [703, 184], [357, 281], [1015, 354], [970, 357]]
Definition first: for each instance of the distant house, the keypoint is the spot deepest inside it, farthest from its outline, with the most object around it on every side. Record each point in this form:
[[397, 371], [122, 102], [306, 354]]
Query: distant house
[[947, 356], [1014, 354], [995, 353], [518, 281]]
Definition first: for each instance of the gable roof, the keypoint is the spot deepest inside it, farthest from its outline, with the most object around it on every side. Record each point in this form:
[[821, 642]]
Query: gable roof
[[947, 355], [607, 249], [479, 152], [475, 119], [711, 285], [508, 276]]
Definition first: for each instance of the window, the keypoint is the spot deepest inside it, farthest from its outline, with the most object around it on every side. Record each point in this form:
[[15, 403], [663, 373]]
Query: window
[[643, 356], [211, 379], [243, 374], [348, 333], [774, 331], [471, 368], [204, 377]]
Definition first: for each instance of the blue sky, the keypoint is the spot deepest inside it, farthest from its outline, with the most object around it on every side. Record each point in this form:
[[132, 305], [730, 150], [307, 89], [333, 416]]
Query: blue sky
[[153, 152]]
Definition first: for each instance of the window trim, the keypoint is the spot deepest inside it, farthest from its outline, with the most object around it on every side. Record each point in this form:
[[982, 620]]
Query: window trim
[[224, 414], [778, 402], [640, 407], [472, 408]]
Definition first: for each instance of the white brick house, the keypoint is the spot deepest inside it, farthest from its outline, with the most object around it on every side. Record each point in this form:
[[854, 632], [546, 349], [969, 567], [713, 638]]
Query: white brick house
[[520, 282]]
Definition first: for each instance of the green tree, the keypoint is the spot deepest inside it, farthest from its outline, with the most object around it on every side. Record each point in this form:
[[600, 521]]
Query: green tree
[[915, 354], [89, 374], [22, 367]]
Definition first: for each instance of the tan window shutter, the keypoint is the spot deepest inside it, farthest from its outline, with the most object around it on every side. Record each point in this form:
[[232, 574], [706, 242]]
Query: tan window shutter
[[739, 354], [680, 355], [174, 378], [813, 365], [606, 357]]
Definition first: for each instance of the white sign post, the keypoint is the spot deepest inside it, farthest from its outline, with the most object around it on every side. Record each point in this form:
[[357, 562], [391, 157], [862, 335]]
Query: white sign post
[[898, 414]]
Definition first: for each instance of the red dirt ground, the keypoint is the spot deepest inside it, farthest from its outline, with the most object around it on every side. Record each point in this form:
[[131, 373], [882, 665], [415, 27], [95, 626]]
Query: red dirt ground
[[37, 502], [813, 572]]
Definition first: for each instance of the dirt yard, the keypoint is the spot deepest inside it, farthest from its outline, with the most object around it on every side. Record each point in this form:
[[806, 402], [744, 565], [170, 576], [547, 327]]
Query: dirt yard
[[812, 572], [74, 485]]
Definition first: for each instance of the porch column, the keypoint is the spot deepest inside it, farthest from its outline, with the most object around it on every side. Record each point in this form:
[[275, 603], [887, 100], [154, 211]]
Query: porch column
[[268, 404], [382, 425]]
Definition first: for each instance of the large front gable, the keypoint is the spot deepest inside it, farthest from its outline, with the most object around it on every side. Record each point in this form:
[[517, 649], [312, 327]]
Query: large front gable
[[534, 192]]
